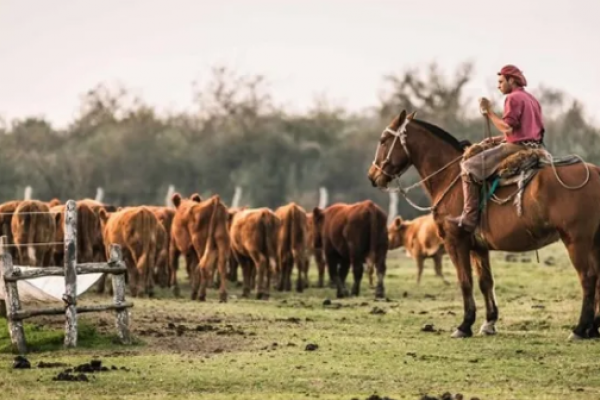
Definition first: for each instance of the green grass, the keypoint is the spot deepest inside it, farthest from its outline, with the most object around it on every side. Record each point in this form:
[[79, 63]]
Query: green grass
[[359, 353]]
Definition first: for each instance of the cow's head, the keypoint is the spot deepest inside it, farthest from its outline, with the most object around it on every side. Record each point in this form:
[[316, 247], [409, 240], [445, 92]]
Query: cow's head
[[318, 217], [397, 233]]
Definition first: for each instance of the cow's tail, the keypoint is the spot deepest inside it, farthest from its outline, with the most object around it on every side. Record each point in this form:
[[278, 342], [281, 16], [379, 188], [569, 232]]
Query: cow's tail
[[30, 219], [210, 240], [85, 232], [270, 248], [147, 255]]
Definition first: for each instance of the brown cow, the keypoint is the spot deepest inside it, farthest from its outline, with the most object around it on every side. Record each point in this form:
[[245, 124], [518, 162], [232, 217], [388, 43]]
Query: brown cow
[[180, 239], [232, 274], [316, 253], [254, 245], [33, 229], [54, 202], [352, 234], [97, 237], [165, 216], [420, 239], [88, 226], [7, 211], [291, 242], [199, 232], [135, 230]]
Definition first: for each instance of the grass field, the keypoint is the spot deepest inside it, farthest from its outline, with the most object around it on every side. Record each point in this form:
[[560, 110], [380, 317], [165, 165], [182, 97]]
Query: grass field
[[249, 349]]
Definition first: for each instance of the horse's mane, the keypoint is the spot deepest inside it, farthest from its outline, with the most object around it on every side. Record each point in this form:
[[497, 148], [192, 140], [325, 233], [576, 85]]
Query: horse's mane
[[459, 145]]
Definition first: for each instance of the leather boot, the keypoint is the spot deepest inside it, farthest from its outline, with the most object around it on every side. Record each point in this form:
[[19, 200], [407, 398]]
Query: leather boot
[[470, 215]]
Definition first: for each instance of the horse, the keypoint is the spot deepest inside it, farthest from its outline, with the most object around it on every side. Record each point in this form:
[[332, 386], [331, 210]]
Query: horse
[[551, 212]]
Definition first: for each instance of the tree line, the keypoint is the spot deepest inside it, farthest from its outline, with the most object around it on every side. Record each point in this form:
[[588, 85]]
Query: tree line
[[237, 135]]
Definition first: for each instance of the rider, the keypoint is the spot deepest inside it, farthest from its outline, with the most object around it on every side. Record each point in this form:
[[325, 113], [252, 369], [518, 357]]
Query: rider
[[521, 126]]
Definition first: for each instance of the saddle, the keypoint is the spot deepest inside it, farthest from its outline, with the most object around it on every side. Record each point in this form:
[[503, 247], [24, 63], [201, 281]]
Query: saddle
[[518, 168]]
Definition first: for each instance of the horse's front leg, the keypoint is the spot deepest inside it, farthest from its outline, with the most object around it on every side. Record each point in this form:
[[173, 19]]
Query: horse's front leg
[[458, 248], [481, 260]]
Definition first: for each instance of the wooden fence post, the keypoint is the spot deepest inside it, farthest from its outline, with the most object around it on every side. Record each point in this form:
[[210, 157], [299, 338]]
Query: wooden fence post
[[70, 296], [15, 326], [118, 282]]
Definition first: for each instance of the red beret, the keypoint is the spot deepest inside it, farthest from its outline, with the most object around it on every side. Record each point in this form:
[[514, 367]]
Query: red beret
[[512, 71]]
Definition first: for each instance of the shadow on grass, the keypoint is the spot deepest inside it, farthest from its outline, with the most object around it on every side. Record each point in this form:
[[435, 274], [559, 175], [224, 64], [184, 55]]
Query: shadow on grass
[[41, 339]]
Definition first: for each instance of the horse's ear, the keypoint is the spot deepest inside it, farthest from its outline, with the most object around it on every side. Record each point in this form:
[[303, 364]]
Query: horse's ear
[[401, 117], [411, 116]]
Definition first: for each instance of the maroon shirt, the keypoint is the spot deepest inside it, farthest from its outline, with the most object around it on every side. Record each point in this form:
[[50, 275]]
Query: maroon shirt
[[523, 113]]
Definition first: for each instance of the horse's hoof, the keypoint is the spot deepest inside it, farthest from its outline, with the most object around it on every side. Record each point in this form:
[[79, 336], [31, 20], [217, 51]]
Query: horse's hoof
[[458, 334], [488, 329], [573, 337]]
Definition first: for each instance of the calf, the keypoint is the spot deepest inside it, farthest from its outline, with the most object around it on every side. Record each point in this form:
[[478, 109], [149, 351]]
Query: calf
[[315, 252], [420, 239], [134, 229], [291, 247], [351, 234], [33, 228], [254, 245], [200, 232]]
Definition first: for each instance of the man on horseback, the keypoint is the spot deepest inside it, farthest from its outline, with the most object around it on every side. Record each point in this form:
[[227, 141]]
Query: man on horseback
[[521, 126]]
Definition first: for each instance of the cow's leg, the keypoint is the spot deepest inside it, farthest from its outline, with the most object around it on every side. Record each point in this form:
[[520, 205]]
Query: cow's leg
[[222, 261], [233, 269], [318, 255], [458, 248], [246, 265], [343, 272], [302, 281], [437, 262], [357, 271], [288, 267], [173, 267], [481, 261], [262, 263], [420, 260], [204, 271], [381, 268]]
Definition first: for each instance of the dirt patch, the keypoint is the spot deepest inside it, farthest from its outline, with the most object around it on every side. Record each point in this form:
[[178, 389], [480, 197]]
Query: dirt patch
[[78, 373]]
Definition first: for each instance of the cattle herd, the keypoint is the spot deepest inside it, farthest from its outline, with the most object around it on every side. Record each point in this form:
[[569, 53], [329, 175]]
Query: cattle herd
[[211, 237]]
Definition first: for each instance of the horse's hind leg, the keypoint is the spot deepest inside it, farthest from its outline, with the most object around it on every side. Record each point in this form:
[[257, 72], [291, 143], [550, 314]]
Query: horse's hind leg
[[580, 253], [594, 332], [481, 260]]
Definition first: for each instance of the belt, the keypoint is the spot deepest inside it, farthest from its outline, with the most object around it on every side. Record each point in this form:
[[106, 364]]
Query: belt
[[536, 144]]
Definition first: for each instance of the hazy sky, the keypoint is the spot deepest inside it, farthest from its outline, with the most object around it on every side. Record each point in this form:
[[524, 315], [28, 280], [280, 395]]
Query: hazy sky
[[52, 51]]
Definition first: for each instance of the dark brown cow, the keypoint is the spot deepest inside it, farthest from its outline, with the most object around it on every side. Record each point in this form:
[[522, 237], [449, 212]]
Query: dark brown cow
[[316, 253], [420, 239], [33, 229], [135, 230], [291, 241], [254, 244], [88, 227], [199, 231], [7, 211], [351, 234]]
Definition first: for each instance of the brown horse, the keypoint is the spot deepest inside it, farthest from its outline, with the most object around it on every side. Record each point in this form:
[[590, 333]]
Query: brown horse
[[551, 212]]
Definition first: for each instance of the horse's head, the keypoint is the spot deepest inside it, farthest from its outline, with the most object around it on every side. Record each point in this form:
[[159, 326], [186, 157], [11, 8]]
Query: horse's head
[[392, 157]]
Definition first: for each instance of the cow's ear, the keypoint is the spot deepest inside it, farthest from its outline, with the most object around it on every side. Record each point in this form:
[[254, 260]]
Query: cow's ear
[[196, 197], [397, 222], [176, 199]]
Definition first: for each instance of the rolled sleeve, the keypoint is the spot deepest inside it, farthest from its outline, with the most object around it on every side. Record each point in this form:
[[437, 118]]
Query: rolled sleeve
[[513, 108]]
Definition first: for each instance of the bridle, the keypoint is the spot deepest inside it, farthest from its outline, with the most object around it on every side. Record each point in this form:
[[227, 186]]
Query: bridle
[[400, 135]]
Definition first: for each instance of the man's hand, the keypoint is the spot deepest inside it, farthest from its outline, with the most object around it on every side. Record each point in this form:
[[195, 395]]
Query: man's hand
[[485, 106]]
